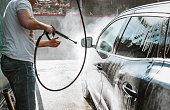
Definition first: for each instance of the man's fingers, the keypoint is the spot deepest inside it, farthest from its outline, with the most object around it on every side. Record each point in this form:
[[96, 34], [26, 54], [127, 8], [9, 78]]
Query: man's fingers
[[56, 44]]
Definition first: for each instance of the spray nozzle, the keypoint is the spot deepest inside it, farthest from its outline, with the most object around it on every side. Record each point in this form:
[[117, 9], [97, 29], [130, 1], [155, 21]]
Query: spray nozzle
[[62, 35]]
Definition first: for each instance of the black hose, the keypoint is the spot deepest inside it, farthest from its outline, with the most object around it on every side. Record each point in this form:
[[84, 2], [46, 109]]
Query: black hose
[[35, 54]]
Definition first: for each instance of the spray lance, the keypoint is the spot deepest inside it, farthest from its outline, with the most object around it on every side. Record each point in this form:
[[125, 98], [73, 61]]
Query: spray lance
[[59, 33]]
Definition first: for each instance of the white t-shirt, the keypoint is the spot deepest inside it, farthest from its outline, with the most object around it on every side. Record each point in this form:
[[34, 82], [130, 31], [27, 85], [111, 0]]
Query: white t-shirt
[[17, 43]]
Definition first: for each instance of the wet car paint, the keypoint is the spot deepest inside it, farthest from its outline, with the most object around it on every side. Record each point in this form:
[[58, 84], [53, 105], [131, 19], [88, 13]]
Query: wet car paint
[[116, 72], [157, 95], [119, 74]]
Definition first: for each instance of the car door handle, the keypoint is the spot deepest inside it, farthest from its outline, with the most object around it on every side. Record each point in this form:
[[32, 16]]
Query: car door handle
[[128, 90], [99, 67]]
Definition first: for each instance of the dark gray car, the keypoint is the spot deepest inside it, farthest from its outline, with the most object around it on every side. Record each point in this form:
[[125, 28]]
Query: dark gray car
[[129, 67]]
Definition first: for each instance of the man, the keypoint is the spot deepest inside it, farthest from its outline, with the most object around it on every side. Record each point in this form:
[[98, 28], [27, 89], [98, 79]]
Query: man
[[18, 49]]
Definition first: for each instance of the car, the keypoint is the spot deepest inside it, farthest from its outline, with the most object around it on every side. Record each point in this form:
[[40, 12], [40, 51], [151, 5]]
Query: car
[[128, 67]]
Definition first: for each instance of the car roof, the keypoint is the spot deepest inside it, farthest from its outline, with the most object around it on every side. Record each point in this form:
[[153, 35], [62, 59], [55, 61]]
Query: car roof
[[159, 7]]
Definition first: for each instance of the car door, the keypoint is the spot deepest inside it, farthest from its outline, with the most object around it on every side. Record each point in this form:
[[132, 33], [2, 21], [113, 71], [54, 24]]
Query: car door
[[157, 94], [132, 68], [96, 61]]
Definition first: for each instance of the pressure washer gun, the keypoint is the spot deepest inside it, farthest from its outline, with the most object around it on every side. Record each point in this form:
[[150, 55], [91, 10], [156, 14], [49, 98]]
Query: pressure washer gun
[[56, 32]]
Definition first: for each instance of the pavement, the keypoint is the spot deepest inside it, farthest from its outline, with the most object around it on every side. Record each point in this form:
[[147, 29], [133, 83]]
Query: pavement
[[56, 74]]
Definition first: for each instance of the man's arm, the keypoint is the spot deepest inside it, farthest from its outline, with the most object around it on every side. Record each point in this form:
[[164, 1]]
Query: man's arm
[[28, 22]]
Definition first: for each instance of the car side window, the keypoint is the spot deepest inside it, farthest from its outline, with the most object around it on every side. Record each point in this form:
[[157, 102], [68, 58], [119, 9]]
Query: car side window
[[144, 37], [107, 38], [167, 46]]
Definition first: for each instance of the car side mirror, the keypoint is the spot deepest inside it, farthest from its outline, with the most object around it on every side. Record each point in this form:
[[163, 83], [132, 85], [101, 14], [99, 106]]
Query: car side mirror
[[89, 42]]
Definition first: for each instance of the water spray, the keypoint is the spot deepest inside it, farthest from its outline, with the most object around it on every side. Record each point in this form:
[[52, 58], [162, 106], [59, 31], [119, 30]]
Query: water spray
[[64, 36]]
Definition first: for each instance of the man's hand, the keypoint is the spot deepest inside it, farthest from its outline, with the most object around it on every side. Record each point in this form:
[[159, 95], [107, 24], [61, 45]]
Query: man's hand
[[49, 29], [53, 42]]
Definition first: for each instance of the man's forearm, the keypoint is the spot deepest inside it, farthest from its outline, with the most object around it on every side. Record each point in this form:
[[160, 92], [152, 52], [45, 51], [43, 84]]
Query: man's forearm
[[43, 44], [50, 43], [33, 24]]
